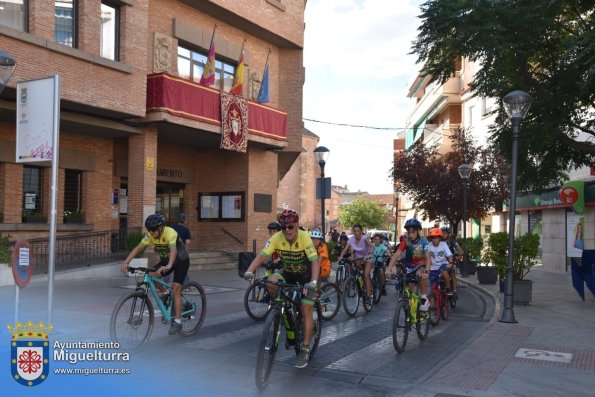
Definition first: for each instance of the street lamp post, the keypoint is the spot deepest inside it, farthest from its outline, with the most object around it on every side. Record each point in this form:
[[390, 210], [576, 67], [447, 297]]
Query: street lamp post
[[465, 172], [396, 194], [322, 153], [516, 105], [7, 66]]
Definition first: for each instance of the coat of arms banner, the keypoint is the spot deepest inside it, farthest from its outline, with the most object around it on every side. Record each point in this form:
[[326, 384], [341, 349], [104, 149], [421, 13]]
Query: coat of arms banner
[[234, 122]]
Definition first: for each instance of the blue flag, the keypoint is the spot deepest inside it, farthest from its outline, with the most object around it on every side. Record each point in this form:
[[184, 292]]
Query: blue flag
[[263, 94]]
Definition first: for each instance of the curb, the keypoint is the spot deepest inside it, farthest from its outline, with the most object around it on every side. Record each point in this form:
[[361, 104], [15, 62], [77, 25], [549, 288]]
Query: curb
[[495, 297]]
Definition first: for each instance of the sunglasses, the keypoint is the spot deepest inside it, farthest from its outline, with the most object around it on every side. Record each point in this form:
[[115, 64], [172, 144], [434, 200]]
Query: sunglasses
[[288, 227]]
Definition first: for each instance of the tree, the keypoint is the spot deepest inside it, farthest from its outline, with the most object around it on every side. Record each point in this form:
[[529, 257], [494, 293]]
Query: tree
[[542, 47], [366, 213], [433, 183]]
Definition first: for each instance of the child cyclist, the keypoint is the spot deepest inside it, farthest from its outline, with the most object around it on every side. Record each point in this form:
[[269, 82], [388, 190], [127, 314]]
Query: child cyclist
[[441, 259], [325, 263], [380, 252]]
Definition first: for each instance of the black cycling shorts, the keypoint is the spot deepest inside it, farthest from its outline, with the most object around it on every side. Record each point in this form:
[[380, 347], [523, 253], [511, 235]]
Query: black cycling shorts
[[179, 268]]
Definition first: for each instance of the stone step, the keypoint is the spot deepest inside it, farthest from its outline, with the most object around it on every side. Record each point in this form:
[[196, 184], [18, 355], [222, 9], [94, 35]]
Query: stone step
[[213, 266]]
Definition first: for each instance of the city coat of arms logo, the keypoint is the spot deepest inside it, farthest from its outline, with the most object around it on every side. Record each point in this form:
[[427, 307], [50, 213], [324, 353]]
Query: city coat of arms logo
[[24, 95], [29, 348]]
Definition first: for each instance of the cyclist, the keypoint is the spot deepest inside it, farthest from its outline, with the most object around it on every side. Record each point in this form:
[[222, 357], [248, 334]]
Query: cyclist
[[300, 264], [342, 244], [381, 250], [441, 259], [456, 249], [174, 258], [417, 258], [273, 260], [362, 251], [325, 263]]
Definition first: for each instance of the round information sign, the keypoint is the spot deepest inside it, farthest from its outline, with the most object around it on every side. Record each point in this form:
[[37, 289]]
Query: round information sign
[[22, 263]]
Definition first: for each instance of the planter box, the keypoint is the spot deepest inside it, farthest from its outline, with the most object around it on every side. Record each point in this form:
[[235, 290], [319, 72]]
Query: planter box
[[486, 274], [523, 291], [471, 266]]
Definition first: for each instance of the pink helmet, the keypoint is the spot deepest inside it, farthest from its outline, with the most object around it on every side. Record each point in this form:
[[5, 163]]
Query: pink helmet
[[289, 217]]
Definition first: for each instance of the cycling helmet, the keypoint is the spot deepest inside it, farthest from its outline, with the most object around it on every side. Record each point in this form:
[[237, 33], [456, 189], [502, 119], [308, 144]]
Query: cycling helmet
[[435, 232], [445, 229], [274, 226], [289, 216], [316, 234], [154, 221], [412, 223]]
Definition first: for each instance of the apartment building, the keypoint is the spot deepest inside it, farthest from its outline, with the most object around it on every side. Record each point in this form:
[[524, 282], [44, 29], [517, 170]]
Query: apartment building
[[138, 133]]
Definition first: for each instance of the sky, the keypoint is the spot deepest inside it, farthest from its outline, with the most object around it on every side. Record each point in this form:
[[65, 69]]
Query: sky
[[357, 70]]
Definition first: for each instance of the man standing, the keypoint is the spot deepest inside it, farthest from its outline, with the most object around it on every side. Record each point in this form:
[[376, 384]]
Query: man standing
[[182, 229]]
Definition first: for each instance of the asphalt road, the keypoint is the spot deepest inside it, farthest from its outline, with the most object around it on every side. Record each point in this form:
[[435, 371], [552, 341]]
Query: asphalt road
[[355, 356]]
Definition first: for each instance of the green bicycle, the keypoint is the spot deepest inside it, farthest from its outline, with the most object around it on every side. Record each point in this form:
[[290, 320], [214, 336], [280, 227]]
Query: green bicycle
[[407, 313], [133, 316]]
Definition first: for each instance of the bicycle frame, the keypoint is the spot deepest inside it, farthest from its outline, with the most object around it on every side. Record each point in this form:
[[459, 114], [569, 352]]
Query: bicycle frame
[[150, 281]]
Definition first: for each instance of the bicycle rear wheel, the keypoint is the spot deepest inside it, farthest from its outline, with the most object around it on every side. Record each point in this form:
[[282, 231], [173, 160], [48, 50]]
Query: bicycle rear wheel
[[444, 306], [434, 310], [350, 296], [368, 302], [454, 297], [330, 301], [194, 308], [400, 327], [132, 320], [267, 349], [377, 284], [423, 324], [340, 275], [257, 302]]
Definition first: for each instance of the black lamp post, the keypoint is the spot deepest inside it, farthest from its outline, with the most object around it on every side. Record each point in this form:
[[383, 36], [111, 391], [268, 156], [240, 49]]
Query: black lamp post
[[322, 153], [7, 66], [397, 195], [516, 105], [465, 172]]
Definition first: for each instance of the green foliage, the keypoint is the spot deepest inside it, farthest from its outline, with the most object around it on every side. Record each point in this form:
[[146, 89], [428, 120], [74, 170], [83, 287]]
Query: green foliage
[[542, 47], [332, 253], [132, 240], [526, 250], [472, 246], [5, 254], [367, 213]]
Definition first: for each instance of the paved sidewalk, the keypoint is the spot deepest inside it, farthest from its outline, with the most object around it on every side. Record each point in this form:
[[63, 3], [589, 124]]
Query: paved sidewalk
[[549, 352]]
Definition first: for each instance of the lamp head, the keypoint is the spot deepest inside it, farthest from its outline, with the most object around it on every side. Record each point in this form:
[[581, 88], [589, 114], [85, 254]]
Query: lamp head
[[465, 171], [322, 154], [517, 104]]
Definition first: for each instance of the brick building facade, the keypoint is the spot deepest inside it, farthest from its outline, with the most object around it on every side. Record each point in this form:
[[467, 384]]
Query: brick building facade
[[121, 160]]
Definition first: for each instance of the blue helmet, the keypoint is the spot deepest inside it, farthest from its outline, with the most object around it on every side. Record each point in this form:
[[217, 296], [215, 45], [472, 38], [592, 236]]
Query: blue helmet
[[445, 229], [412, 223]]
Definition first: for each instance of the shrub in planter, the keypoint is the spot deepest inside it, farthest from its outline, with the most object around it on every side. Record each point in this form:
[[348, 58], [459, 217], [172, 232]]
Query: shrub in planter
[[5, 254], [332, 251], [132, 240], [472, 247], [496, 252]]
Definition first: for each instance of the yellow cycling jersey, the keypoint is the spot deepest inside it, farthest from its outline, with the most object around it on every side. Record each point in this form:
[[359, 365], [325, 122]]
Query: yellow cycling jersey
[[294, 257], [167, 238]]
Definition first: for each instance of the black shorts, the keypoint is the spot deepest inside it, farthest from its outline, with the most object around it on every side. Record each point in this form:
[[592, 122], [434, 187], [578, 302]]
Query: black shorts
[[179, 268]]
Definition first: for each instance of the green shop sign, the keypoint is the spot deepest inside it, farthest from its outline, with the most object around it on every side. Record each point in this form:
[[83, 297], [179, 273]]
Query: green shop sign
[[552, 199]]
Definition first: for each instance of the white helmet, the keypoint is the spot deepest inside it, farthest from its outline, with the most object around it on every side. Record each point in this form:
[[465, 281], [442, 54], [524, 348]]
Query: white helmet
[[316, 234]]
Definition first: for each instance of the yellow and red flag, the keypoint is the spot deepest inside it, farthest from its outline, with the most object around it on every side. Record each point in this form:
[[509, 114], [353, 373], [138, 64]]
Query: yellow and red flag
[[238, 78], [208, 73]]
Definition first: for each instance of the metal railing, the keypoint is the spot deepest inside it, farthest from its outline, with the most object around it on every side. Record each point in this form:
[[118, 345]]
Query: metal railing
[[80, 250]]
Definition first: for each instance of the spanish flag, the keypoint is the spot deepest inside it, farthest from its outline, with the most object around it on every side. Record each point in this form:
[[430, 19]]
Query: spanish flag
[[208, 73], [238, 78]]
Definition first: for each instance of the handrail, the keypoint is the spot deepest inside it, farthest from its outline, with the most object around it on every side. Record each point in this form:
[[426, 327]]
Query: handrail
[[232, 236]]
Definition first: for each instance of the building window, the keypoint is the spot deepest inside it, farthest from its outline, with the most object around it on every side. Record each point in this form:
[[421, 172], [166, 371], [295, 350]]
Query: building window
[[66, 14], [470, 123], [13, 13], [191, 64], [73, 191], [110, 31], [32, 195], [227, 206]]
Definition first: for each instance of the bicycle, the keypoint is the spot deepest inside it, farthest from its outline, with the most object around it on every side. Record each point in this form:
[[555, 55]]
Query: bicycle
[[285, 310], [257, 301], [407, 314], [438, 300], [452, 299], [133, 317], [376, 277], [341, 272], [353, 289], [330, 300]]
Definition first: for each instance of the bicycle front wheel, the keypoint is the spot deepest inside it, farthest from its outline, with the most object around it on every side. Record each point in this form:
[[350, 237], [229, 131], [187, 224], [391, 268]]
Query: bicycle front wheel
[[350, 296], [423, 324], [434, 310], [377, 284], [400, 327], [330, 301], [267, 350], [257, 302], [194, 308], [444, 307], [340, 275], [132, 320]]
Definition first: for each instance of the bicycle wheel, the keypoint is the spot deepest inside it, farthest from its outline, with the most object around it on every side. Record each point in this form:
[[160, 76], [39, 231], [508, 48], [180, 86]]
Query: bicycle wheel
[[315, 339], [444, 306], [340, 275], [368, 303], [257, 302], [377, 284], [400, 327], [350, 296], [267, 349], [423, 324], [194, 308], [434, 310], [132, 320], [454, 297], [330, 301]]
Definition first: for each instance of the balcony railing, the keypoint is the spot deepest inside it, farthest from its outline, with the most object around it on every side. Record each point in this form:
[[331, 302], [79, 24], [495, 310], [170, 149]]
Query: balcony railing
[[190, 100]]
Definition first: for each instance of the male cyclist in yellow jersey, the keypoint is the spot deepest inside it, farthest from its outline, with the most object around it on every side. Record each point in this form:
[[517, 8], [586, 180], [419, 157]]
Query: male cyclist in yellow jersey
[[174, 258], [300, 264]]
